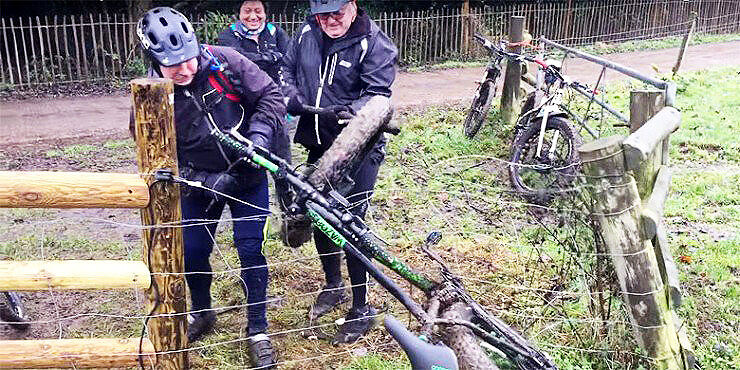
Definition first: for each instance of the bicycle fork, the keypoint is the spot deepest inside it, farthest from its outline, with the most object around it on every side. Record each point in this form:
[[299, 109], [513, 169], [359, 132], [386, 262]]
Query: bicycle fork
[[541, 137]]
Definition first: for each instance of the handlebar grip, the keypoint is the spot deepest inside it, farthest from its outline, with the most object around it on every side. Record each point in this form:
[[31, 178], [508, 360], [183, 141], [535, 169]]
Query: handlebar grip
[[422, 355]]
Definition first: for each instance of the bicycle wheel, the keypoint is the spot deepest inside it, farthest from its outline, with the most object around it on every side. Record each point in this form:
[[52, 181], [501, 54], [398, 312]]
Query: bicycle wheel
[[465, 344], [479, 108], [538, 177], [12, 310]]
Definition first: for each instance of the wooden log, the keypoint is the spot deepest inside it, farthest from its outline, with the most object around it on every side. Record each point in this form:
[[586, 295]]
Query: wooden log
[[75, 353], [652, 211], [644, 141], [35, 189], [617, 213], [73, 275], [163, 246], [510, 107]]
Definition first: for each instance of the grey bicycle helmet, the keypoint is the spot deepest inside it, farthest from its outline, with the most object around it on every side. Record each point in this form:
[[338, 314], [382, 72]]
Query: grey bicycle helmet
[[326, 6], [167, 36]]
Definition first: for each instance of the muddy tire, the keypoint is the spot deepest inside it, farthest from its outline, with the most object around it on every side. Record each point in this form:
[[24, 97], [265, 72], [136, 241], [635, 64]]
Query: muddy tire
[[539, 178], [470, 355], [479, 109], [12, 310], [351, 144]]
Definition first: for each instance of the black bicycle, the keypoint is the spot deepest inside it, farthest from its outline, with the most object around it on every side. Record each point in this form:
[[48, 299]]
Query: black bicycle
[[486, 89], [452, 318], [12, 311]]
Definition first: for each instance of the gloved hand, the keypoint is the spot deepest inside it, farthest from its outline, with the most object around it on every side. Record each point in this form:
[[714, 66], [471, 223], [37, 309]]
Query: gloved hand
[[265, 56], [221, 182], [259, 140], [295, 106], [337, 112]]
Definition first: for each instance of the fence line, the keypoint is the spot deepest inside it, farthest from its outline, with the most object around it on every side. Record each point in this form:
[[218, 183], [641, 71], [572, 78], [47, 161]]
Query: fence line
[[99, 47]]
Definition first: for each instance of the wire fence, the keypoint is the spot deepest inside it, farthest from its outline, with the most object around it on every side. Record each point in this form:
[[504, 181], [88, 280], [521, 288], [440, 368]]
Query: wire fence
[[95, 47], [549, 276]]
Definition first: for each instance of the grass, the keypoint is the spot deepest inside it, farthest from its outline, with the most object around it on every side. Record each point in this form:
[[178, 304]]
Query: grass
[[436, 179]]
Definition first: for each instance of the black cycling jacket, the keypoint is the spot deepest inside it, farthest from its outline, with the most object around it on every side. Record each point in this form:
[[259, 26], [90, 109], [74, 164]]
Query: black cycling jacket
[[356, 67], [261, 109], [272, 38]]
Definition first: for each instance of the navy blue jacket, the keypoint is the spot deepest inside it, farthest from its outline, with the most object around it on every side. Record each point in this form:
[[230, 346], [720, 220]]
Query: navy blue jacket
[[260, 110], [272, 38], [348, 71]]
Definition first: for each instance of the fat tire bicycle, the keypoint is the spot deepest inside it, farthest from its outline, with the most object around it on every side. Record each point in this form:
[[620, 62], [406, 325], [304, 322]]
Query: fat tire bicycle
[[12, 310], [450, 315]]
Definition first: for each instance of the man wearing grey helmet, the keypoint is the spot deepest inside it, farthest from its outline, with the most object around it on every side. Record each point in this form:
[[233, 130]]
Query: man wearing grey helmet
[[339, 59], [218, 88]]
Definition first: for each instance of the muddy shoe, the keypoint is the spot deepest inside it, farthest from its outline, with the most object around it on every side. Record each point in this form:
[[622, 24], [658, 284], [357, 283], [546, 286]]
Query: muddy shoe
[[199, 324], [330, 297], [261, 353], [356, 324]]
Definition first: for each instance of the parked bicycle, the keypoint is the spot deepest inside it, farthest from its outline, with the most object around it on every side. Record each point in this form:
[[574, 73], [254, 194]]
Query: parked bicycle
[[452, 316], [544, 158], [12, 310], [486, 89]]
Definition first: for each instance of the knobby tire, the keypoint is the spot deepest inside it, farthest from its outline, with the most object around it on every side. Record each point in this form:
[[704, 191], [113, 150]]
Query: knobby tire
[[540, 185], [479, 109], [12, 310]]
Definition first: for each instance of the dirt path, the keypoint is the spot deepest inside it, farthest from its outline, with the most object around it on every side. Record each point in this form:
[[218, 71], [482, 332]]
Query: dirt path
[[30, 121]]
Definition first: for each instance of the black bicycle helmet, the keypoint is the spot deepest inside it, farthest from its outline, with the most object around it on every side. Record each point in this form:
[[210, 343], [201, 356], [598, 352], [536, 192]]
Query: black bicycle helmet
[[326, 6], [167, 36]]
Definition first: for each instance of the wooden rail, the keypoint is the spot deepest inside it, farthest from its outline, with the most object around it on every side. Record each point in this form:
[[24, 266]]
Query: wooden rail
[[73, 275], [75, 353], [72, 190]]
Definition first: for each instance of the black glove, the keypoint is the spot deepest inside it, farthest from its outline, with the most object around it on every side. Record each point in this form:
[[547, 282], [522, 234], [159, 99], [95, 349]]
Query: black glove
[[337, 112], [295, 106], [264, 57], [259, 140], [221, 182]]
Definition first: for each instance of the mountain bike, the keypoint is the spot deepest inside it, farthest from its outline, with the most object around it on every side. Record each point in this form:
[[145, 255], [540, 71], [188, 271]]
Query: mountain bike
[[451, 316], [486, 89], [544, 157], [12, 310]]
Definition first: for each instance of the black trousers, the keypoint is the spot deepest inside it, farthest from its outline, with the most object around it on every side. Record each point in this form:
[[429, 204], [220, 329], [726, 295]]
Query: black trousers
[[364, 177]]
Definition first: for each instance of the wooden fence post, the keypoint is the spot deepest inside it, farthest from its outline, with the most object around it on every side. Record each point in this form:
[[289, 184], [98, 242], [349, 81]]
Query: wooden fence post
[[644, 104], [686, 39], [618, 210], [510, 107], [467, 32], [152, 100]]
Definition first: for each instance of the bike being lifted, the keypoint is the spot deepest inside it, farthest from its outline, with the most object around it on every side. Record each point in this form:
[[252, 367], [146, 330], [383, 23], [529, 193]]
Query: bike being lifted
[[472, 337]]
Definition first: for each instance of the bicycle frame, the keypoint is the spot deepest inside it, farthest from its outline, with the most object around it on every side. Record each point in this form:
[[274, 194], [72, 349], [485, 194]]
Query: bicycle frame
[[351, 234]]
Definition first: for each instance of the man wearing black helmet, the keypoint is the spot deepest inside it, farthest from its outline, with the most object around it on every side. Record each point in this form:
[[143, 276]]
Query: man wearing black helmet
[[217, 88], [339, 59]]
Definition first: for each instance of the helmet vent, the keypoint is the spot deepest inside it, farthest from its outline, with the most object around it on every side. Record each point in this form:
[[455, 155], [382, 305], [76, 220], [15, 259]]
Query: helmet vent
[[152, 38], [173, 40], [184, 27], [163, 21]]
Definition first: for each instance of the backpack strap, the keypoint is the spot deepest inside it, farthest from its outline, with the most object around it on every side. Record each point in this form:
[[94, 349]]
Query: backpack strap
[[219, 79]]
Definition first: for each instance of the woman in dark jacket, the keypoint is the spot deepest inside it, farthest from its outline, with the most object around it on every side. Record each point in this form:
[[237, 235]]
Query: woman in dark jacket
[[339, 59], [265, 44], [251, 108]]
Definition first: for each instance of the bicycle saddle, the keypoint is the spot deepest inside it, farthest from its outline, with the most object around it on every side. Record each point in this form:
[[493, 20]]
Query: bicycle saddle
[[423, 355]]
